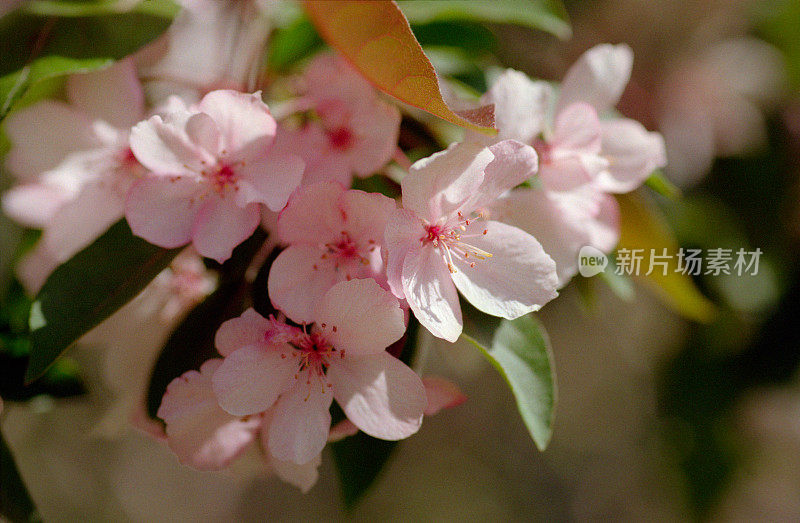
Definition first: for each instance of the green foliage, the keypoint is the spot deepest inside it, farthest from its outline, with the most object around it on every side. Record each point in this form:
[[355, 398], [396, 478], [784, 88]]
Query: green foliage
[[291, 44], [48, 40], [779, 24], [661, 185], [546, 15], [520, 351], [88, 288]]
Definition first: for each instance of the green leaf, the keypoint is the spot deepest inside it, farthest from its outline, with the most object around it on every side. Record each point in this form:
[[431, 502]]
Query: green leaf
[[546, 15], [16, 88], [15, 502], [462, 34], [292, 43], [520, 351], [88, 288], [660, 184], [162, 8], [49, 40], [361, 458]]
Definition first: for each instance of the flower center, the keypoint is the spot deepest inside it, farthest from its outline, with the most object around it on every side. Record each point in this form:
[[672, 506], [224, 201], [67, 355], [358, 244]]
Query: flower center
[[314, 353], [544, 150], [127, 159], [341, 138], [346, 252], [222, 176], [450, 240]]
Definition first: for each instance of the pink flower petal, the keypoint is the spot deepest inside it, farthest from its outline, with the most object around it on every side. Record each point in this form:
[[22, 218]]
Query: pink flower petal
[[311, 216], [513, 163], [378, 127], [341, 430], [429, 289], [571, 172], [81, 221], [379, 394], [598, 77], [251, 378], [298, 280], [364, 215], [301, 421], [33, 205], [518, 278], [577, 129], [604, 228], [43, 134], [221, 225], [328, 166], [402, 235], [442, 394], [438, 185], [359, 317], [163, 210], [243, 120], [270, 179], [113, 95], [302, 476], [520, 106], [201, 434], [633, 154], [163, 146], [247, 329], [202, 131]]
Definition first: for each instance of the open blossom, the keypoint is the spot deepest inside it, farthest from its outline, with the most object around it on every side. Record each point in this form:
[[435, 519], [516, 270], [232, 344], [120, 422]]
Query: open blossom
[[333, 235], [74, 163], [442, 239], [575, 146], [212, 168], [205, 437], [354, 131], [582, 158], [300, 372]]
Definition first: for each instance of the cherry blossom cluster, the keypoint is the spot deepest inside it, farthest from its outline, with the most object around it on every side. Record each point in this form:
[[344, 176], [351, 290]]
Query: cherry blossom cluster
[[497, 220]]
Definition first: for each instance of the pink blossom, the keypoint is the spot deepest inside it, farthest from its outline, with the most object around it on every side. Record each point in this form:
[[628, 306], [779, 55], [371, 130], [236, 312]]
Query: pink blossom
[[299, 373], [212, 168], [205, 437], [441, 240], [582, 158], [332, 235], [355, 132], [74, 162], [575, 146]]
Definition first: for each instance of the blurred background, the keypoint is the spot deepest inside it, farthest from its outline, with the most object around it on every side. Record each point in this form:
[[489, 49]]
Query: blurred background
[[657, 417]]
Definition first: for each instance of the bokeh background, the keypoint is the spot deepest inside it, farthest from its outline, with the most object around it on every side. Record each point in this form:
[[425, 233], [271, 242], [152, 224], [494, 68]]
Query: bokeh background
[[657, 418]]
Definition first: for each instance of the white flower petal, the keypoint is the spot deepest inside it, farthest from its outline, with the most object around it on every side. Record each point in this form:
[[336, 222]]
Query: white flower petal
[[598, 77], [518, 278]]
